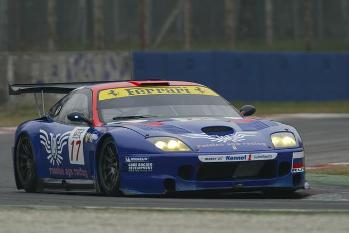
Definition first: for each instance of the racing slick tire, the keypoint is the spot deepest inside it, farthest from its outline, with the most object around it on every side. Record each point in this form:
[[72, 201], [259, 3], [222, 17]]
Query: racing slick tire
[[108, 169], [25, 167]]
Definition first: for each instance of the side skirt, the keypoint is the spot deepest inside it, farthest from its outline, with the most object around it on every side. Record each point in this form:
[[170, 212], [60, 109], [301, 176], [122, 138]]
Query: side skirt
[[69, 185]]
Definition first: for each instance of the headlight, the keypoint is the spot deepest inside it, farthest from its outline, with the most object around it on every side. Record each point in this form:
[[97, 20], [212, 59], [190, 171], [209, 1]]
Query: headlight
[[169, 144], [283, 140]]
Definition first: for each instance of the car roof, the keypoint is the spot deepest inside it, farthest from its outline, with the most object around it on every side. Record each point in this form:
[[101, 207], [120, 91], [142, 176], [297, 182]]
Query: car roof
[[143, 83]]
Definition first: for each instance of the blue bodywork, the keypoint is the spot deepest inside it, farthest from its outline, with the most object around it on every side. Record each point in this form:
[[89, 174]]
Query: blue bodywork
[[145, 169]]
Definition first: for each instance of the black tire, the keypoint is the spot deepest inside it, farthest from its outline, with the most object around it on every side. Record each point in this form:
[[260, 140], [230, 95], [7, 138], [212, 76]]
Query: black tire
[[25, 165], [108, 169]]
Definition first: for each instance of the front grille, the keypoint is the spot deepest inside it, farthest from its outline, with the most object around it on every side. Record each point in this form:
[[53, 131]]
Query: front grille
[[237, 170]]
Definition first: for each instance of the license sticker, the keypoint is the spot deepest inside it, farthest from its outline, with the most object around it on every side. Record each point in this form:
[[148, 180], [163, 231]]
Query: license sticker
[[116, 93]]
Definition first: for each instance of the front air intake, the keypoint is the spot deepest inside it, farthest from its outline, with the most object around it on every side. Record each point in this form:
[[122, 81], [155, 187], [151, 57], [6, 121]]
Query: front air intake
[[246, 170]]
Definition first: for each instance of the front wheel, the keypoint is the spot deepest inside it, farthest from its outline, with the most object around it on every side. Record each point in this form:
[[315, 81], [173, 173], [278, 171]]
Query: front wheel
[[108, 169], [25, 165]]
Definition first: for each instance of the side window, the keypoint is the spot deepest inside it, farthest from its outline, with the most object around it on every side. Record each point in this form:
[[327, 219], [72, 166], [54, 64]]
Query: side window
[[79, 101], [56, 109]]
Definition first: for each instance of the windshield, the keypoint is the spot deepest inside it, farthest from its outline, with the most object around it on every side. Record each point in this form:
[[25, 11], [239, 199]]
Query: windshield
[[162, 101]]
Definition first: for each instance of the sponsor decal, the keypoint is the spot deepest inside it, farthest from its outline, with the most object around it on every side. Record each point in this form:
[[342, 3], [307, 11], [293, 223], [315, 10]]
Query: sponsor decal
[[90, 137], [264, 156], [138, 164], [210, 145], [53, 145], [140, 167], [237, 137], [68, 172], [129, 159], [237, 157], [160, 90], [296, 170], [76, 145], [233, 145], [250, 144]]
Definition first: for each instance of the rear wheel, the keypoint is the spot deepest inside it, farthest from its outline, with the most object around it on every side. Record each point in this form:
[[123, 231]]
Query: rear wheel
[[108, 169], [25, 165]]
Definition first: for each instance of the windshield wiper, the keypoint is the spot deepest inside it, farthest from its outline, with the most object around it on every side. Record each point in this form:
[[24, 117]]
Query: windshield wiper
[[132, 117]]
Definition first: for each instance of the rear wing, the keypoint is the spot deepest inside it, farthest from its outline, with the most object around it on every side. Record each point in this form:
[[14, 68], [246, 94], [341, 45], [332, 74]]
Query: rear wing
[[54, 88]]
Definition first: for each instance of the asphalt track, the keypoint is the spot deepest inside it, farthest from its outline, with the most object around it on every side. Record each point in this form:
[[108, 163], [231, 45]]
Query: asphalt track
[[326, 141]]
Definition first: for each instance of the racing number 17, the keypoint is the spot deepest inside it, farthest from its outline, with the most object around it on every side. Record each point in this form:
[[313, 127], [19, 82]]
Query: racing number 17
[[73, 144]]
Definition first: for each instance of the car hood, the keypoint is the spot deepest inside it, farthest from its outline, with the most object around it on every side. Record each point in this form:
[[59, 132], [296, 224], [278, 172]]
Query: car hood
[[214, 135]]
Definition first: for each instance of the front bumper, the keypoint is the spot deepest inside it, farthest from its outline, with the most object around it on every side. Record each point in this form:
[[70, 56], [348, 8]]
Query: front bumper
[[159, 174]]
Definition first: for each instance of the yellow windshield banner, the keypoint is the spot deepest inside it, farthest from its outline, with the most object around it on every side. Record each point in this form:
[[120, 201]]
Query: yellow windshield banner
[[160, 90]]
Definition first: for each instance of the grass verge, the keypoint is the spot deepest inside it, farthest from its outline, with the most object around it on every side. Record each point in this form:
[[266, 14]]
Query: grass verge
[[330, 170], [337, 175], [13, 116]]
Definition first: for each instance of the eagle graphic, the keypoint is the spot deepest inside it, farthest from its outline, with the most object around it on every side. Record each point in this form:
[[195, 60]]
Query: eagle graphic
[[54, 145], [237, 137]]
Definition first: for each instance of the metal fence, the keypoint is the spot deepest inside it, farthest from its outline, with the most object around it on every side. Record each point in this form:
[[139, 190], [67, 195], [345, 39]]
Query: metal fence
[[46, 25]]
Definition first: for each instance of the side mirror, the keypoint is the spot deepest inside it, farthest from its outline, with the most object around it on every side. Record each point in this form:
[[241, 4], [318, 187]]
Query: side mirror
[[78, 117], [247, 110]]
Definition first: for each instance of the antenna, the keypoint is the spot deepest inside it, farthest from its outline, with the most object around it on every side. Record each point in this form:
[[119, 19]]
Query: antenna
[[43, 103], [41, 110]]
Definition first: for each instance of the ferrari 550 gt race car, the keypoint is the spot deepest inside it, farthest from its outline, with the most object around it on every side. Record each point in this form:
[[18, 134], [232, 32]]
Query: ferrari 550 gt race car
[[152, 137]]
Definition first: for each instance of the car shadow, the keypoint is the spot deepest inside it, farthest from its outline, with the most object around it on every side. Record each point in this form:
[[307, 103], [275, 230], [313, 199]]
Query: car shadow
[[202, 195], [231, 195]]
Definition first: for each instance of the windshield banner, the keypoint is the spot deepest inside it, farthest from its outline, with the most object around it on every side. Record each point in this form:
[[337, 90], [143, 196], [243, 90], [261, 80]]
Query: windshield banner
[[160, 90]]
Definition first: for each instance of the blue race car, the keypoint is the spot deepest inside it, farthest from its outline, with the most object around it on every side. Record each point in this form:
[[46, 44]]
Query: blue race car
[[152, 137]]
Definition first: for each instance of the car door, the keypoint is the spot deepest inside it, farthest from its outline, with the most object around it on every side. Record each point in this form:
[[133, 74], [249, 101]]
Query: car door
[[63, 140]]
